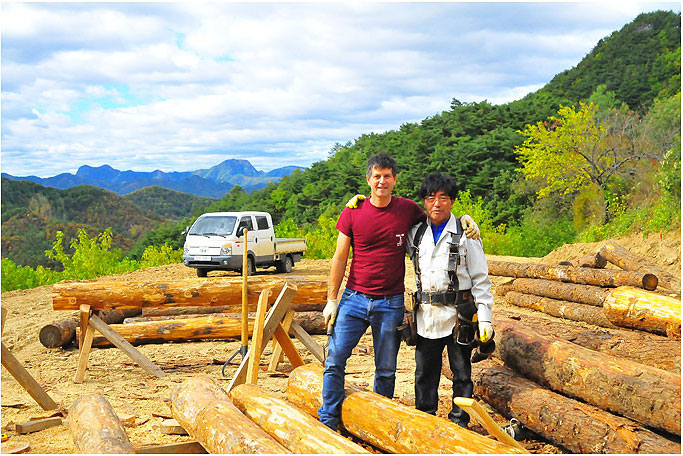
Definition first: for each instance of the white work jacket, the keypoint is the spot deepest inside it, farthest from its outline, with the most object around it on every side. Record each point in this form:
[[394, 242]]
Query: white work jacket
[[435, 321]]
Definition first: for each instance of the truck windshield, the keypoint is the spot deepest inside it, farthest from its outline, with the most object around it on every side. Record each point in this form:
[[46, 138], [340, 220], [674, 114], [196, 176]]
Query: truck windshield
[[219, 225]]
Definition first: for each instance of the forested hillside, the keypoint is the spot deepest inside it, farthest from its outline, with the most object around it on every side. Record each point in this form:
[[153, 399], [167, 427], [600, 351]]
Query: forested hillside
[[168, 204], [32, 214]]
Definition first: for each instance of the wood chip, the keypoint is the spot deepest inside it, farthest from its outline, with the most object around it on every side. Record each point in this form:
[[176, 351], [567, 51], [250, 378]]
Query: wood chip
[[172, 427]]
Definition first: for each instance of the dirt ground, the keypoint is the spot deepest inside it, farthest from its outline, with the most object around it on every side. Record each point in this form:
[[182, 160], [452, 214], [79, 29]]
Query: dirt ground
[[132, 391]]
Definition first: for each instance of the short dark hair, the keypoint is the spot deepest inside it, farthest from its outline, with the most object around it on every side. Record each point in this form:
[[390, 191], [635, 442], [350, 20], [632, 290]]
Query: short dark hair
[[434, 182], [381, 161]]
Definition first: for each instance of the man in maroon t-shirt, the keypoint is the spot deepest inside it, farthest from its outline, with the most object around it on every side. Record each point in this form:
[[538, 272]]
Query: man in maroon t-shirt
[[378, 232]]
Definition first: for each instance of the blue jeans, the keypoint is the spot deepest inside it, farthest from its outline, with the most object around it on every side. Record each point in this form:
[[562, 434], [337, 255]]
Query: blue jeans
[[355, 313]]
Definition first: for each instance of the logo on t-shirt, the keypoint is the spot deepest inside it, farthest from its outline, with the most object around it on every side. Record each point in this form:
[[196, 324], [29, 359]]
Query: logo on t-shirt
[[400, 239]]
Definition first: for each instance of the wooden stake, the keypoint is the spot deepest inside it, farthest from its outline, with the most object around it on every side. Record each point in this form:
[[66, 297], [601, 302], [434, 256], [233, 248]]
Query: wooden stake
[[127, 348], [83, 354], [278, 354], [275, 316], [245, 309], [307, 341], [22, 376], [287, 346], [475, 410], [85, 317], [257, 338]]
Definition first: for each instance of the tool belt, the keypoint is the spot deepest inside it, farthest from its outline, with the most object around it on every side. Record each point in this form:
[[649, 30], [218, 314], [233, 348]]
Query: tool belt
[[442, 298]]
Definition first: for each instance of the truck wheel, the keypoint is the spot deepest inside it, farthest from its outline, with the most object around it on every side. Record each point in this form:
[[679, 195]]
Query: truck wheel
[[201, 272], [251, 267], [285, 265]]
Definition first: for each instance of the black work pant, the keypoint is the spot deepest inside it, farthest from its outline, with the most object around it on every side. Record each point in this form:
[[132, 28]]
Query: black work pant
[[428, 373]]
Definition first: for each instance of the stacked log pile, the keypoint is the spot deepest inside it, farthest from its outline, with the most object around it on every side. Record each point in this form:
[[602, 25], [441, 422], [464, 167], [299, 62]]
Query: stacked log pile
[[186, 310], [613, 389]]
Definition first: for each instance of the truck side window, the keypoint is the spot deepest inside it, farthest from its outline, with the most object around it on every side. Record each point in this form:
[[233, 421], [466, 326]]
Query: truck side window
[[262, 222], [245, 223]]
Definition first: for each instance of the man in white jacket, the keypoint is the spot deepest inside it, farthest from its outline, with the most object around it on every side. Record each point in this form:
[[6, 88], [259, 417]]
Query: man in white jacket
[[453, 297]]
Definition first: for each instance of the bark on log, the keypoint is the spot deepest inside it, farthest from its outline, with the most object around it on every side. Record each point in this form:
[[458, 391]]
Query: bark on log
[[62, 333], [95, 428], [312, 322], [634, 308], [628, 261], [388, 425], [206, 412], [648, 395], [601, 277], [186, 292], [296, 430], [578, 427], [641, 347], [574, 292], [210, 327], [593, 260], [191, 310], [561, 309]]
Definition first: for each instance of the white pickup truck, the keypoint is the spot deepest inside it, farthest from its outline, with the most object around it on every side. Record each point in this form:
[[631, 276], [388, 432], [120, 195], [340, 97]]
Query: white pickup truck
[[215, 242]]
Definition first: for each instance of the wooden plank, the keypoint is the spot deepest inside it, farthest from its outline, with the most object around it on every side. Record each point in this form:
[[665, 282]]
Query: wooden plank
[[277, 348], [84, 316], [37, 425], [475, 410], [83, 354], [275, 316], [257, 342], [245, 294], [307, 341], [172, 427], [173, 448], [127, 348], [288, 347], [4, 316], [25, 379]]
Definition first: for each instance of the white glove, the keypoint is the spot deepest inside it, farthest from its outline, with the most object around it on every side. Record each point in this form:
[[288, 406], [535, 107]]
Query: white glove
[[330, 311], [353, 202], [470, 227], [485, 331]]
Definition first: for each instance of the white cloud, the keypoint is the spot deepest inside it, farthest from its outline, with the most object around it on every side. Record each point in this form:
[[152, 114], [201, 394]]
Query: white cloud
[[182, 86]]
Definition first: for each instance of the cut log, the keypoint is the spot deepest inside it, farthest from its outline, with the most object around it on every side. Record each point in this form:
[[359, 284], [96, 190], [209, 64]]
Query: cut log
[[578, 427], [185, 292], [648, 395], [561, 309], [189, 310], [159, 332], [593, 260], [296, 430], [574, 292], [634, 308], [388, 425], [601, 277], [628, 261], [62, 333], [313, 322], [206, 412], [641, 347], [95, 427]]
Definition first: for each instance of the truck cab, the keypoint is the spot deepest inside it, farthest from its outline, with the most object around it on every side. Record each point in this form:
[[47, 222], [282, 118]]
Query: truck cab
[[215, 241]]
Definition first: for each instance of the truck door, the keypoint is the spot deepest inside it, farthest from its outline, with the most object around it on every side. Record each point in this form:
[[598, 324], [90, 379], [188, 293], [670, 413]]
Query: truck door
[[265, 242], [247, 222]]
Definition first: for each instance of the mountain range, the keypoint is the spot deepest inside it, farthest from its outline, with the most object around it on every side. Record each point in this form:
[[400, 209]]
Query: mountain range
[[213, 182]]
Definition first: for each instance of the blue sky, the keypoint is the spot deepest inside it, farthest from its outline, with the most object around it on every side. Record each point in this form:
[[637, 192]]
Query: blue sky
[[183, 86]]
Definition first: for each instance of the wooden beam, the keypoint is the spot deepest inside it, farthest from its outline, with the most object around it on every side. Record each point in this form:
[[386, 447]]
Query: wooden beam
[[83, 354], [278, 354], [257, 342], [287, 346], [307, 341], [475, 410], [173, 448], [127, 348], [275, 316], [84, 316], [25, 379], [37, 425]]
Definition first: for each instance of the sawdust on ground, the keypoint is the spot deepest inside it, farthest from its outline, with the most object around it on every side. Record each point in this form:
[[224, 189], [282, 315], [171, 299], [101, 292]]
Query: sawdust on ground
[[132, 391]]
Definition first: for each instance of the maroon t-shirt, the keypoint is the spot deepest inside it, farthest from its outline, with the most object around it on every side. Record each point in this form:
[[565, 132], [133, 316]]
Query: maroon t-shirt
[[378, 237]]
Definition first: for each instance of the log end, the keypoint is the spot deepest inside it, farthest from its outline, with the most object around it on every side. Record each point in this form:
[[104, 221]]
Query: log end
[[650, 281]]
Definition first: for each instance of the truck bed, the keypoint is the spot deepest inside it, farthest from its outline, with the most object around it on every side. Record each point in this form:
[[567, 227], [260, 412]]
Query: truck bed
[[289, 245]]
